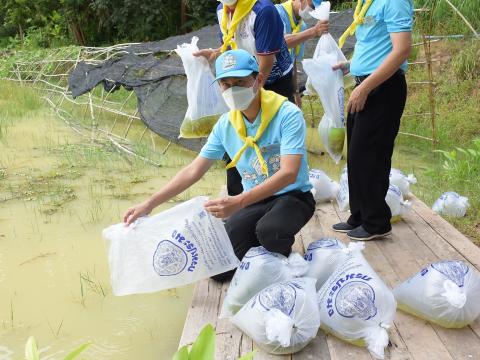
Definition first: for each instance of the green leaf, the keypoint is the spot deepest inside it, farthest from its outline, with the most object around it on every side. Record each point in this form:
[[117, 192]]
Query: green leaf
[[77, 352], [248, 356], [181, 354], [204, 346], [31, 349]]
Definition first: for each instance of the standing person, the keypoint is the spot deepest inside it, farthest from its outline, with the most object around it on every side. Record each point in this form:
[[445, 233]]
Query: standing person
[[255, 26], [264, 134], [293, 14], [374, 110]]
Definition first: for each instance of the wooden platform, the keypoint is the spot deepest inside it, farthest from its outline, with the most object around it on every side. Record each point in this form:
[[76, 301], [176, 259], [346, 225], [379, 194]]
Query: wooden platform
[[420, 238]]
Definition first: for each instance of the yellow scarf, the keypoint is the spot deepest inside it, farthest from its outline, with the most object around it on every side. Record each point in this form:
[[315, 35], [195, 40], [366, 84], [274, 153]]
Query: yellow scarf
[[242, 9], [270, 104], [358, 17], [288, 6]]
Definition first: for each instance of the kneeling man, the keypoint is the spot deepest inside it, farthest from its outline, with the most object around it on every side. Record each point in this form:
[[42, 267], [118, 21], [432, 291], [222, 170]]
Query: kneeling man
[[264, 135]]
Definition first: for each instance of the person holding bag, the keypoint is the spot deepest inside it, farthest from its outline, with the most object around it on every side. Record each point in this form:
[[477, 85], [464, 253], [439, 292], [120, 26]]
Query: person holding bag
[[383, 31]]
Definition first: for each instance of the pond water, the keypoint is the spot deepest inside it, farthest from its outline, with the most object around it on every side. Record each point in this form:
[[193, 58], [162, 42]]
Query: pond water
[[57, 192]]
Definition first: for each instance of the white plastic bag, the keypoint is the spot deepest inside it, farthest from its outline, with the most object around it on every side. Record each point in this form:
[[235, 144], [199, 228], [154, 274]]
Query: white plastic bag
[[356, 306], [446, 293], [324, 256], [395, 202], [259, 269], [343, 196], [205, 102], [283, 318], [175, 247], [398, 178], [451, 204], [324, 189], [328, 83]]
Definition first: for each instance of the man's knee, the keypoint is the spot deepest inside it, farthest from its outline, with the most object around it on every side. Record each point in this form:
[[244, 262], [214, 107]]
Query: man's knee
[[272, 238]]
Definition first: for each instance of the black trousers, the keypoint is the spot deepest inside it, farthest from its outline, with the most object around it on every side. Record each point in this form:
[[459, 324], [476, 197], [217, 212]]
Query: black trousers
[[271, 223], [283, 86], [371, 136]]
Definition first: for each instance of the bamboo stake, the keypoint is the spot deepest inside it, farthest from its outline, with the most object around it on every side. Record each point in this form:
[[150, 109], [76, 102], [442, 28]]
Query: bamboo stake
[[463, 18]]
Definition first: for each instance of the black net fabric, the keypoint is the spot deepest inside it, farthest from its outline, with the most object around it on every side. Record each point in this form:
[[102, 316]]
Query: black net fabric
[[157, 76]]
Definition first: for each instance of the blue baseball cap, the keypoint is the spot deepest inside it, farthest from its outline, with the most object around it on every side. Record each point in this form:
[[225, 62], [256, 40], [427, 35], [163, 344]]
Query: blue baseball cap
[[235, 63]]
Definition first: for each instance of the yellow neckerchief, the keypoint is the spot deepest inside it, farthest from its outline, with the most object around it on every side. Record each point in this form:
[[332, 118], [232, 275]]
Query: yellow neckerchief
[[288, 6], [358, 17], [270, 104], [242, 9]]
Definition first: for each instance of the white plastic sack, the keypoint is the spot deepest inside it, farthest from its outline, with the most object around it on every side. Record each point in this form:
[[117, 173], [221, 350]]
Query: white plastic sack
[[356, 306], [446, 293], [398, 178], [343, 196], [324, 256], [395, 202], [324, 189], [259, 269], [175, 247], [283, 318], [205, 102], [451, 204], [329, 86]]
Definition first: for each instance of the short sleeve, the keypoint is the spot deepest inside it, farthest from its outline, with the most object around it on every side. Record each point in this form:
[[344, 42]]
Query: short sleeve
[[293, 130], [268, 28], [214, 149], [398, 16]]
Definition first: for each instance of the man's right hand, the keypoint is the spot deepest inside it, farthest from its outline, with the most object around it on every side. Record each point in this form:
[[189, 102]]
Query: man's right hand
[[344, 66], [137, 211], [321, 27], [209, 54]]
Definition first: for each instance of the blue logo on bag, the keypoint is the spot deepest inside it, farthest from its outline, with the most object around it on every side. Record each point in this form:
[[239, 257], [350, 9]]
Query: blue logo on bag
[[341, 104], [356, 299], [279, 296], [169, 259], [324, 243], [454, 270]]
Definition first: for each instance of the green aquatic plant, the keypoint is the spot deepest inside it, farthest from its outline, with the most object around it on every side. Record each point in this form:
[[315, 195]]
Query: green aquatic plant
[[32, 353]]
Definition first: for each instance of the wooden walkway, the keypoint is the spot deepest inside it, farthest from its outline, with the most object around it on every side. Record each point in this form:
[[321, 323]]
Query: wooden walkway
[[420, 238]]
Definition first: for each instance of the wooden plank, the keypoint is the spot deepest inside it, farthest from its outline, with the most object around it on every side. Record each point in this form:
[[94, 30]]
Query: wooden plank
[[415, 338], [317, 349], [451, 235]]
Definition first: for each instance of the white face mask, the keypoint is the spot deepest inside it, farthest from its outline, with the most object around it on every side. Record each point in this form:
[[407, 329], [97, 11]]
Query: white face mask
[[228, 2], [239, 97], [305, 13]]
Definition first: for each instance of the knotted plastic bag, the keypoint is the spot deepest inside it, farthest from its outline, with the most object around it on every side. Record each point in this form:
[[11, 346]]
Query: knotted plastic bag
[[451, 204], [282, 318], [395, 202], [176, 247], [259, 269], [398, 178], [205, 102], [324, 189], [446, 293], [328, 83], [356, 306], [343, 196]]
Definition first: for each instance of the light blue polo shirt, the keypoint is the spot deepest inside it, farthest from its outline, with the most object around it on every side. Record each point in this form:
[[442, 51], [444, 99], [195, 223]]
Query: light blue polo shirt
[[373, 36], [285, 135], [287, 29]]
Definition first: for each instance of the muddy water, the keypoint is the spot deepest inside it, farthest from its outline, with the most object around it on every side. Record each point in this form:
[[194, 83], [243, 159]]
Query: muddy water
[[56, 196]]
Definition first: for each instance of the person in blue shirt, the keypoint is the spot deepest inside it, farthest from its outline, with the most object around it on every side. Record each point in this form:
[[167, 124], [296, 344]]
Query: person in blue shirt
[[374, 110], [293, 14], [264, 135]]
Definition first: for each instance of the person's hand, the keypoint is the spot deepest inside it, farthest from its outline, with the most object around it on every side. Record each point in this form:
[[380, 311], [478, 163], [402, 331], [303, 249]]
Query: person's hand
[[298, 100], [224, 207], [357, 100], [210, 54], [321, 27], [344, 66], [137, 211]]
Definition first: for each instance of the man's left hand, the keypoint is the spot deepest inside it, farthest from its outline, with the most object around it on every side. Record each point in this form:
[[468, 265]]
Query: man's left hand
[[357, 100], [224, 207]]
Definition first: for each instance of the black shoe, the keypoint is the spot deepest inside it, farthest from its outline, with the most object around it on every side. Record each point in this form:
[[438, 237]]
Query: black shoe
[[360, 234], [343, 227]]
